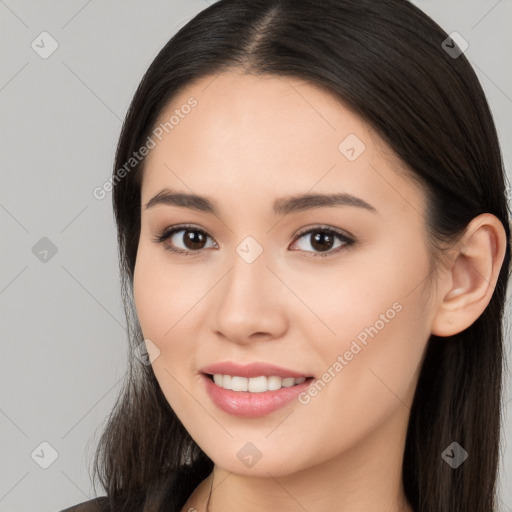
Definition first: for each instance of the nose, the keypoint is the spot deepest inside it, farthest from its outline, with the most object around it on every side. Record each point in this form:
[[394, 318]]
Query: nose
[[251, 303]]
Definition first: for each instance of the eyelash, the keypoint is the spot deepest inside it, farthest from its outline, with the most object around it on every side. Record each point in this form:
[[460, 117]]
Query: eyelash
[[168, 232]]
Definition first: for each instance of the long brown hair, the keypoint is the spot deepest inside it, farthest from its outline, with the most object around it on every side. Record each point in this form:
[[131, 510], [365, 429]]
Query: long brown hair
[[385, 59]]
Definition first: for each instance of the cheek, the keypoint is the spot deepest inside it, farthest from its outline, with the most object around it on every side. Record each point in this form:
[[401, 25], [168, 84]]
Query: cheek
[[163, 303], [365, 385], [381, 353], [381, 328], [146, 295], [168, 303], [366, 291], [163, 294]]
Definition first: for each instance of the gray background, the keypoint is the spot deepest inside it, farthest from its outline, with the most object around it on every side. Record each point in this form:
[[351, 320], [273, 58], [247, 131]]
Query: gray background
[[64, 349]]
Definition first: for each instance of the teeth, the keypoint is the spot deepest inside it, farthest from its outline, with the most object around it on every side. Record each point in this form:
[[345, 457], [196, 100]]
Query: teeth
[[255, 384]]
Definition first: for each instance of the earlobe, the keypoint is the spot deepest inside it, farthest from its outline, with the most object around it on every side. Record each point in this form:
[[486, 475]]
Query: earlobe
[[470, 278]]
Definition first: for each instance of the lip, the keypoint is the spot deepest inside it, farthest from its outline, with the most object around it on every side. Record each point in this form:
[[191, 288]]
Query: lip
[[251, 370], [251, 405]]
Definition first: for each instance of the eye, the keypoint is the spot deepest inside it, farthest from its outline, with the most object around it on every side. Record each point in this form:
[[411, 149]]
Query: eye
[[323, 239], [191, 239]]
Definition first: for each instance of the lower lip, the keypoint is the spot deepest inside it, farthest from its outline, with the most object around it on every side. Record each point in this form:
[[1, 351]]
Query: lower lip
[[252, 405]]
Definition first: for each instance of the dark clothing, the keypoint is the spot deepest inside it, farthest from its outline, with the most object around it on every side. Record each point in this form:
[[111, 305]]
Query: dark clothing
[[95, 505], [136, 502], [170, 493]]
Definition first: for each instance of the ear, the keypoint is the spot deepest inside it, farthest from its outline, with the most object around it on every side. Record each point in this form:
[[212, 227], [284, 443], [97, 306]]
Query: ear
[[469, 279]]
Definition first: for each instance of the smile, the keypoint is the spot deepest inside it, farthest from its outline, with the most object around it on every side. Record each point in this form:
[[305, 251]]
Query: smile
[[255, 384]]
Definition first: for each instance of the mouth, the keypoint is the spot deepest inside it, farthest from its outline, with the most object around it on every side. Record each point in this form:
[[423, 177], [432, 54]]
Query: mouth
[[259, 384], [252, 397]]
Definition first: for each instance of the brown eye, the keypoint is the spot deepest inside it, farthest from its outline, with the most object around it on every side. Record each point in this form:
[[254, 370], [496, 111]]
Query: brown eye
[[193, 240], [323, 240], [184, 239]]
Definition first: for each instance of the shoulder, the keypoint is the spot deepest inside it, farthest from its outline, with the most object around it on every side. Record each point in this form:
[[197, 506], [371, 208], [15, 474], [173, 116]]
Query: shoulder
[[95, 505]]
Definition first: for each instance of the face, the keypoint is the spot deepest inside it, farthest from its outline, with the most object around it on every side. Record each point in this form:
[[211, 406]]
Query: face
[[328, 289]]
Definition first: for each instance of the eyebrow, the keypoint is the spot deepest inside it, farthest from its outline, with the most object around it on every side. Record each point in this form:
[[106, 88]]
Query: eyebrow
[[283, 206]]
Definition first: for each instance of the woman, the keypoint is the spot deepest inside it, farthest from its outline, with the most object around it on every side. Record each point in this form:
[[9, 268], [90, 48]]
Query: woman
[[315, 245]]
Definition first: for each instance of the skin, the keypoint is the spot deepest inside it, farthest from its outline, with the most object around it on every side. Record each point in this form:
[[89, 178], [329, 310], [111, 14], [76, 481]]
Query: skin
[[250, 140]]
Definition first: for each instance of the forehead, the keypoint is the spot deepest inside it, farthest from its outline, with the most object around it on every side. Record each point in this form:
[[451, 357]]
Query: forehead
[[263, 134]]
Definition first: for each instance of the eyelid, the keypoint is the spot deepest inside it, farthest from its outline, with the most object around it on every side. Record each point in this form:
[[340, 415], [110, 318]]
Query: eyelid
[[324, 227], [170, 230]]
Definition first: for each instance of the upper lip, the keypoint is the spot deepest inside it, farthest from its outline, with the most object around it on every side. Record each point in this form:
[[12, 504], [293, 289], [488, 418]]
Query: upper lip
[[250, 370]]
